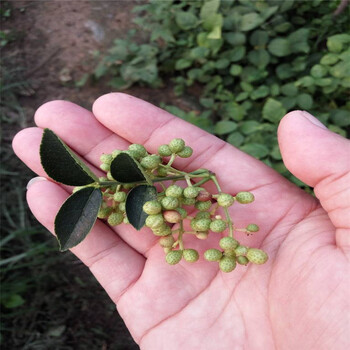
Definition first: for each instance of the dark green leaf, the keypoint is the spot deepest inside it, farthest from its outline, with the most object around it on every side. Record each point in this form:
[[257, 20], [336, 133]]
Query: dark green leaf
[[335, 43], [284, 71], [261, 92], [209, 7], [186, 20], [236, 54], [256, 150], [235, 38], [318, 71], [126, 169], [289, 89], [13, 301], [273, 111], [329, 59], [259, 38], [235, 139], [341, 70], [304, 101], [61, 164], [340, 117], [135, 200], [279, 47], [235, 69], [259, 58], [224, 127], [77, 216], [182, 63], [250, 21], [298, 40], [249, 127]]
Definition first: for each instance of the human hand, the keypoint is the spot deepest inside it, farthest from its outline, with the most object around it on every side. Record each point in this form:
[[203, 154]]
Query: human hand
[[297, 300]]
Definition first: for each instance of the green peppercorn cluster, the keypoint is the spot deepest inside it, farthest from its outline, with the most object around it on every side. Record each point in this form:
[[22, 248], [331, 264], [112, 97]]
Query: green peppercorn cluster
[[181, 208]]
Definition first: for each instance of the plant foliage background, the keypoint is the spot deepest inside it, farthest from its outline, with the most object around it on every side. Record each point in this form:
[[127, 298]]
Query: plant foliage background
[[247, 62]]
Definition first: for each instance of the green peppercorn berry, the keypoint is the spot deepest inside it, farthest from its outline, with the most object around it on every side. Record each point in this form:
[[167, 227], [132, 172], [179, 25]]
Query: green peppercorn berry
[[191, 192], [257, 256], [242, 260], [241, 250], [167, 241], [174, 191], [152, 207], [170, 203], [203, 215], [154, 221], [104, 212], [225, 200], [203, 206], [121, 206], [218, 225], [164, 151], [150, 162], [115, 218], [126, 220], [173, 257], [190, 255], [138, 150], [133, 154], [201, 224], [105, 167], [162, 230], [172, 216], [186, 152], [252, 228], [188, 201], [213, 254], [106, 158], [119, 196], [227, 264], [162, 171], [245, 197], [228, 243], [176, 145], [230, 252]]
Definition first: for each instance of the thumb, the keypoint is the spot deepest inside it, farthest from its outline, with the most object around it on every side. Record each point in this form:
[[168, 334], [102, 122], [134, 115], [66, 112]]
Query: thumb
[[321, 159]]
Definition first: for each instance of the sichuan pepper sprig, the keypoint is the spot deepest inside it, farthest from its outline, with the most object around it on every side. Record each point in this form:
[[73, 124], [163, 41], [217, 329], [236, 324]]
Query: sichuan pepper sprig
[[128, 194]]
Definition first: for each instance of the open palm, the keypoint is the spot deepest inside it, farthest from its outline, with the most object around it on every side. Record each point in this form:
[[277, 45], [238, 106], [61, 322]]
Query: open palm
[[298, 300]]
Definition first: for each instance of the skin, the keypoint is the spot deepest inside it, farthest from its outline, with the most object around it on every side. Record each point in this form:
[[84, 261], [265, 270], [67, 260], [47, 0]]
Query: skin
[[299, 299]]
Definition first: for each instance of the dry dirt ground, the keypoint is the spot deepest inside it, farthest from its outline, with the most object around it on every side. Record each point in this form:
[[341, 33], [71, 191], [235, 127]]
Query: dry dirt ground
[[60, 41]]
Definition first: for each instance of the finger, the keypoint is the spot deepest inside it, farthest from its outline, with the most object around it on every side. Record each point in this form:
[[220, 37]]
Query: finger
[[140, 122], [115, 264], [79, 129], [26, 145], [321, 159]]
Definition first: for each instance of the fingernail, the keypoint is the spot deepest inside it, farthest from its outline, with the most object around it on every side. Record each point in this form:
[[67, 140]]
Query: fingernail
[[34, 180], [313, 120]]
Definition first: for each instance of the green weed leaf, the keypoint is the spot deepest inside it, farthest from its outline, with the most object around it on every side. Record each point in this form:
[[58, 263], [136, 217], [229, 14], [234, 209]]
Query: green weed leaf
[[135, 200], [186, 20], [126, 169], [61, 164], [77, 216], [273, 111]]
